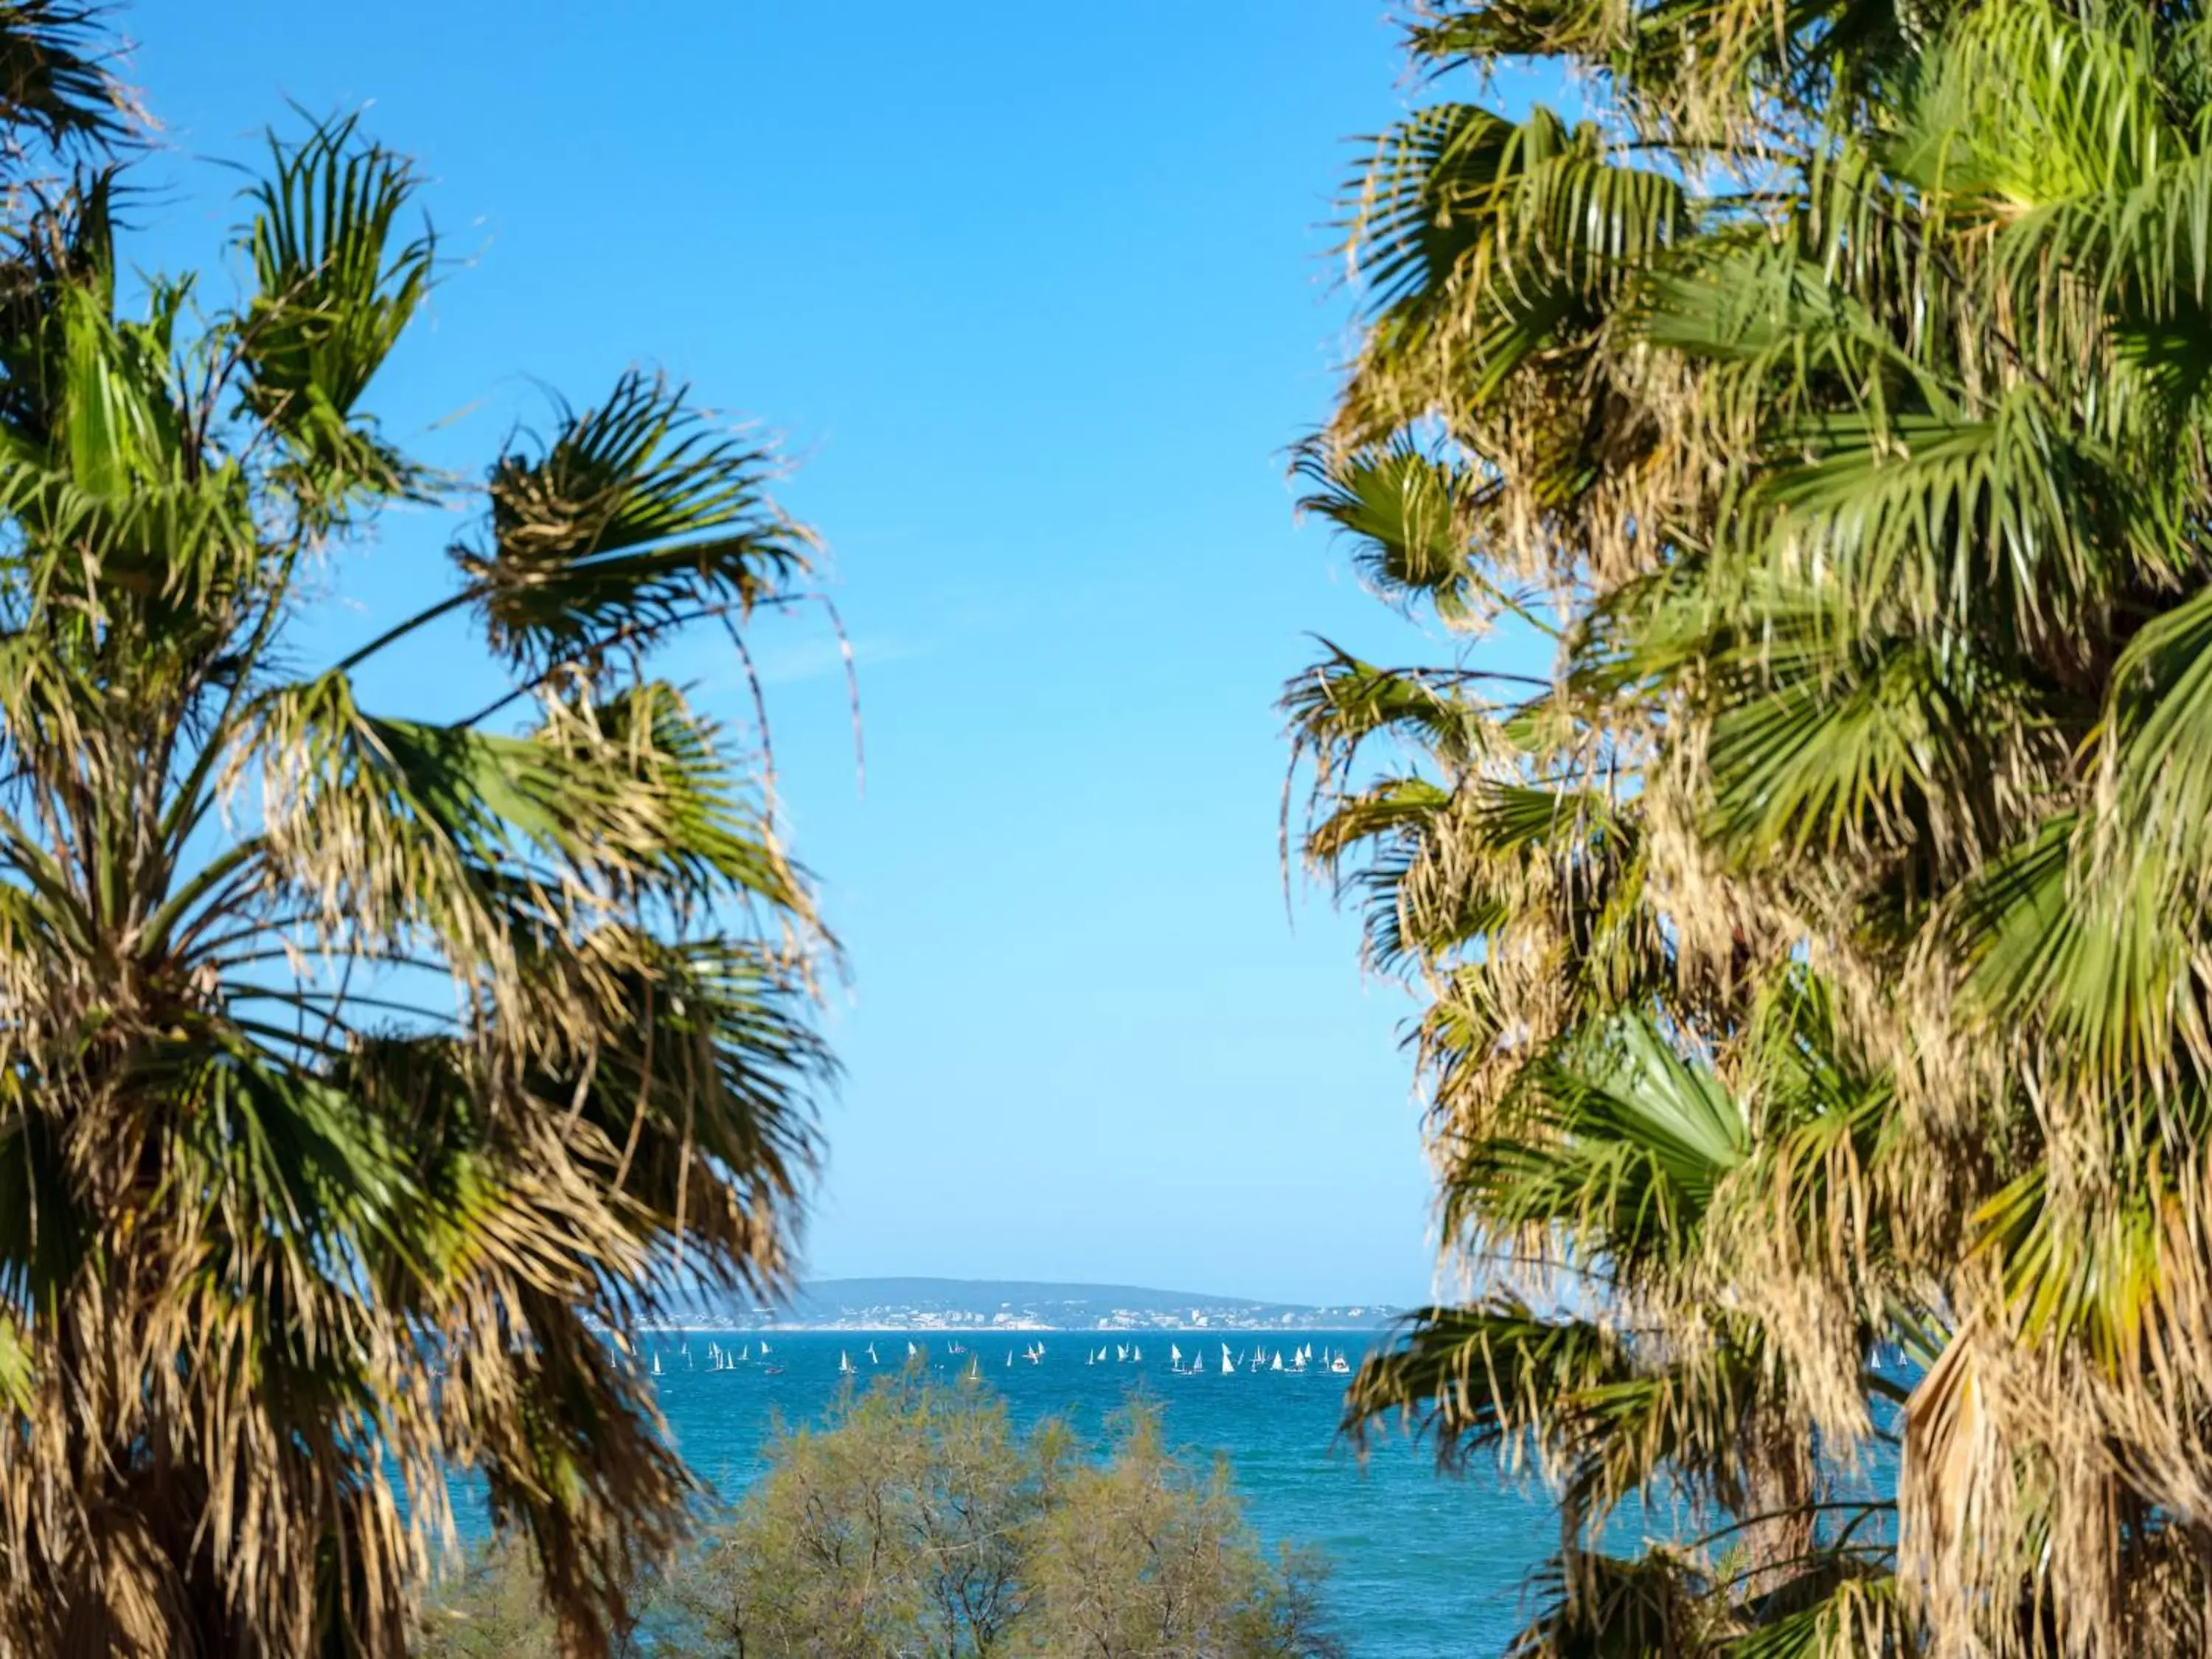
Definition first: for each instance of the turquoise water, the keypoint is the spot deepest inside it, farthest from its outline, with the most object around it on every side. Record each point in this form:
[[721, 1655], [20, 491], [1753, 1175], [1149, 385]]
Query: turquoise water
[[1421, 1565]]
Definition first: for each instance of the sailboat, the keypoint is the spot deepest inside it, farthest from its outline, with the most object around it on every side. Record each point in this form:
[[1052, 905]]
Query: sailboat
[[746, 1353], [844, 1364], [763, 1347], [1009, 1357], [1278, 1364], [1338, 1365], [1227, 1365], [873, 1360], [1136, 1355], [974, 1368], [656, 1362], [911, 1350], [1175, 1355]]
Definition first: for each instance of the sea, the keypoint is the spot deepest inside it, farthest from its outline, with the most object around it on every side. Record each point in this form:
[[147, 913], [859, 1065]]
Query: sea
[[1420, 1564]]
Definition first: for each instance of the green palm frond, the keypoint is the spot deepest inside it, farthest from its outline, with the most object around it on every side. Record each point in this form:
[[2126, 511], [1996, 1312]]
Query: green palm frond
[[1847, 1610], [1339, 705], [1597, 1606], [2094, 1269], [1407, 512], [334, 291], [635, 515], [1618, 1147], [1483, 1378], [56, 81]]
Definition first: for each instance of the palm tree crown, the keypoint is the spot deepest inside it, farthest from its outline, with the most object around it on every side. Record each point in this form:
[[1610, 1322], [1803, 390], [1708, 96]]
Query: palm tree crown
[[1814, 967], [357, 1070]]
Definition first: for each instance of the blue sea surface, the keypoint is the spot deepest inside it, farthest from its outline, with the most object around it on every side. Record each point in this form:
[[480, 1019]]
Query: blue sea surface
[[1421, 1565]]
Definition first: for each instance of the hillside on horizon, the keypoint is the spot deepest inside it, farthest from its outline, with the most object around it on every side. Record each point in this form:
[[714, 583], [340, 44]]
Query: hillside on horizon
[[892, 1287], [901, 1302]]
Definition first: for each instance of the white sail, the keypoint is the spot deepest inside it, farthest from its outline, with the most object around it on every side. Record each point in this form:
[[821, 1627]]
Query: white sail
[[1227, 1365], [656, 1362], [910, 1350], [873, 1360], [844, 1364], [1175, 1353], [1278, 1364], [745, 1352], [763, 1346], [1136, 1355]]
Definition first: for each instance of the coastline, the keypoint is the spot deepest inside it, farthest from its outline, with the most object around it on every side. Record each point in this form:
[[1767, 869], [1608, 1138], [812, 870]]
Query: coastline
[[1031, 1327]]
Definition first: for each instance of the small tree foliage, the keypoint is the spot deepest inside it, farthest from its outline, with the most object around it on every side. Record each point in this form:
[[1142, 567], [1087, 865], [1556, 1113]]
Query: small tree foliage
[[917, 1520]]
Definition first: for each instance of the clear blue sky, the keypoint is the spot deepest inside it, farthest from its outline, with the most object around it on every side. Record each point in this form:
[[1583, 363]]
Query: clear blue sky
[[1037, 297]]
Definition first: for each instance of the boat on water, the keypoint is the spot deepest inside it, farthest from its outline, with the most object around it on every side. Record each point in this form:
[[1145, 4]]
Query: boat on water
[[844, 1364], [873, 1360], [656, 1362], [1227, 1364]]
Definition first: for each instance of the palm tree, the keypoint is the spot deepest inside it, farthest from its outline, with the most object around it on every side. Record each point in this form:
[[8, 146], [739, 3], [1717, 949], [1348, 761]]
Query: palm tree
[[1839, 405], [360, 1073]]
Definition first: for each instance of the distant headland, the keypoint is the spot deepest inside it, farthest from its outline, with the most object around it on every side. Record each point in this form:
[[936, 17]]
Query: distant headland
[[968, 1304]]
